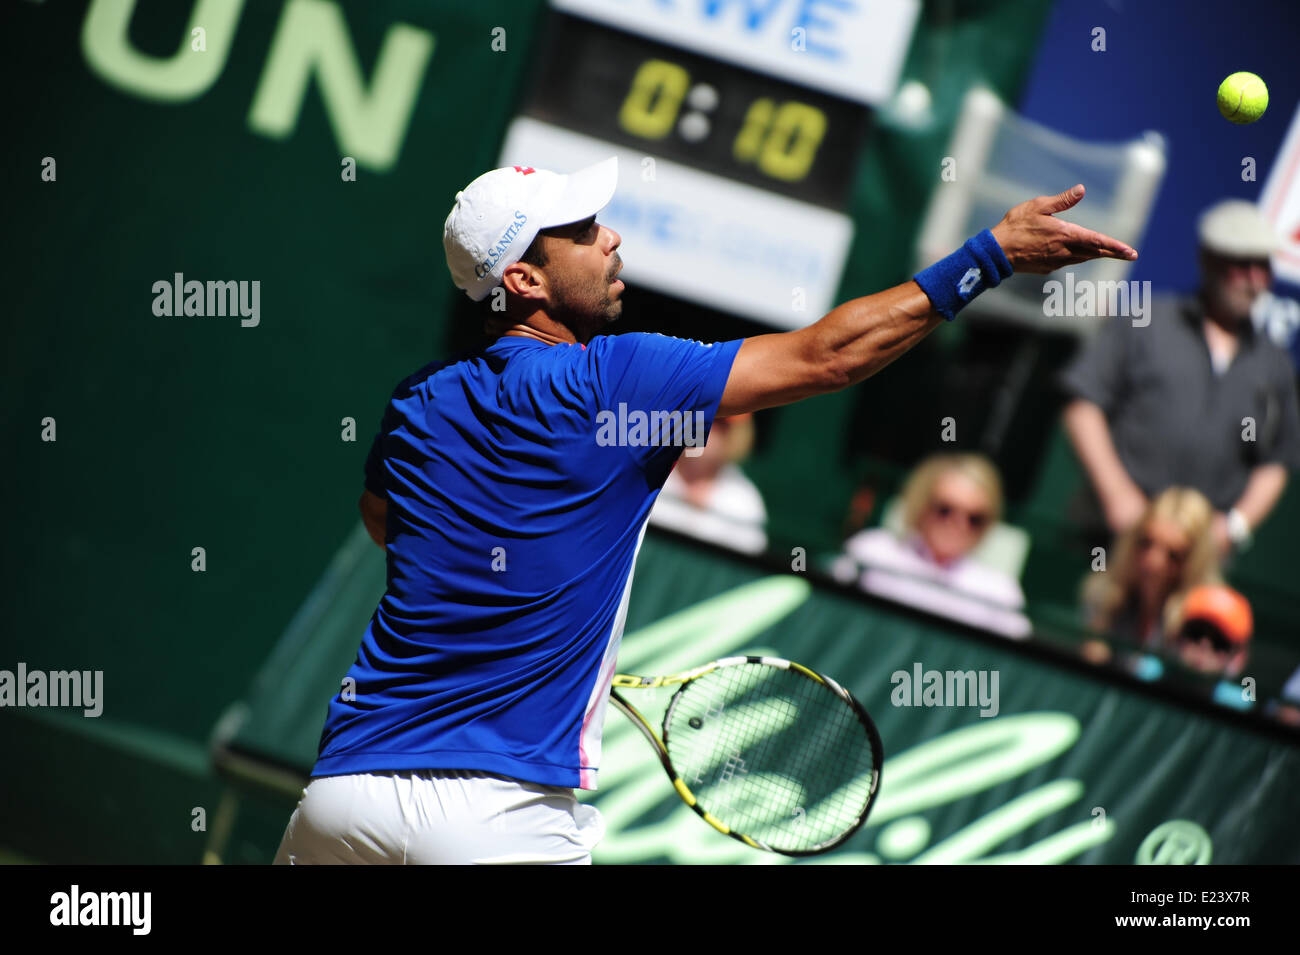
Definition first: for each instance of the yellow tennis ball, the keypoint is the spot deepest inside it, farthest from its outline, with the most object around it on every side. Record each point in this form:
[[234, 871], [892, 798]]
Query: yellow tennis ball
[[1243, 97]]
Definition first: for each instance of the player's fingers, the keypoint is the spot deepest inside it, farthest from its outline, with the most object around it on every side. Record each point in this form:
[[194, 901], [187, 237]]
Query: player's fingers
[[1064, 258], [1049, 205], [1105, 246], [1098, 245]]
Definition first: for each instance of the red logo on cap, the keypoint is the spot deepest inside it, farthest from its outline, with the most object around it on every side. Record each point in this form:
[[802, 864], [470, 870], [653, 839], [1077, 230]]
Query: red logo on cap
[[523, 169]]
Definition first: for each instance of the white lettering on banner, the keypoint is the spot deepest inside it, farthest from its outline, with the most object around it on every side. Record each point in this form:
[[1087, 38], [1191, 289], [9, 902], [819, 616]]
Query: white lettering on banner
[[705, 238], [854, 50]]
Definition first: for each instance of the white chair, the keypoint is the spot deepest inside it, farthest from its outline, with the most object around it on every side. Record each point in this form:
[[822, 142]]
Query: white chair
[[1001, 159]]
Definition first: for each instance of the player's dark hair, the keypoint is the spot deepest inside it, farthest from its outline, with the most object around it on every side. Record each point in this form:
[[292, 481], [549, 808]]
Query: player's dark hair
[[535, 254]]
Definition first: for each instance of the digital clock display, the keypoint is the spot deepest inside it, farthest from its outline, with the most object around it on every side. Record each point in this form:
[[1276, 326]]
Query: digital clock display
[[701, 112]]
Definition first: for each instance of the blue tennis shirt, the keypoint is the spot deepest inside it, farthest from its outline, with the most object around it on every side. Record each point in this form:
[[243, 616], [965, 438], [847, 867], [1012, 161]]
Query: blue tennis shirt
[[519, 481]]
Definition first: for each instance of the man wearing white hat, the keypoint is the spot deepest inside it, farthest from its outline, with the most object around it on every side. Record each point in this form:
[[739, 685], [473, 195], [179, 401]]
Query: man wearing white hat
[[512, 511], [1196, 397]]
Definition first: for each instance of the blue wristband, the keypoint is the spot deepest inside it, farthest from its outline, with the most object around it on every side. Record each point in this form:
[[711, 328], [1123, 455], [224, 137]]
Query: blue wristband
[[952, 282]]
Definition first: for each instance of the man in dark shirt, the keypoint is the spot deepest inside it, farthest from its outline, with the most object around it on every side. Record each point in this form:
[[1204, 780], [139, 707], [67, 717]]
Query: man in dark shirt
[[1194, 397]]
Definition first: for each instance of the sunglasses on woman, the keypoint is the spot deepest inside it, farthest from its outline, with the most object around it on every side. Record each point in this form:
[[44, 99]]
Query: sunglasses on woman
[[1177, 555], [976, 520]]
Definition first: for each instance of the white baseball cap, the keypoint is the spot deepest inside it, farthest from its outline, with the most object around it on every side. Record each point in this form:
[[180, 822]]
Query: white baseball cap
[[1237, 229], [497, 216]]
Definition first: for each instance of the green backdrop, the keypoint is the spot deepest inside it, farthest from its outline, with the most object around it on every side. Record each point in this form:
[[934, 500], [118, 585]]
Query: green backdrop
[[1054, 763], [177, 433]]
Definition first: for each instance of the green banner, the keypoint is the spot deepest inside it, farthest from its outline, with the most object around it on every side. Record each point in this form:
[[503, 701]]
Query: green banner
[[1037, 763]]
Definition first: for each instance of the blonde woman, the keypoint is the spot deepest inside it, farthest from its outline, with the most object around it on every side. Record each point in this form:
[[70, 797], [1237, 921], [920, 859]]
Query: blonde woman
[[1152, 568], [949, 502]]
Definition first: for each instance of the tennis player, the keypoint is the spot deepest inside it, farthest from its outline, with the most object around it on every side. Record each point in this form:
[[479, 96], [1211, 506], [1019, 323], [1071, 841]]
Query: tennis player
[[511, 490]]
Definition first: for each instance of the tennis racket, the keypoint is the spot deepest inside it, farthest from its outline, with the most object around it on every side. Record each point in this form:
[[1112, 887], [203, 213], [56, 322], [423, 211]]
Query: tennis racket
[[765, 751]]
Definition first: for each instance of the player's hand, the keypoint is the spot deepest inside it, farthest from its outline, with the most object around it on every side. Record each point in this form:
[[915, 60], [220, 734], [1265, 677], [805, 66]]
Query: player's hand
[[1034, 240]]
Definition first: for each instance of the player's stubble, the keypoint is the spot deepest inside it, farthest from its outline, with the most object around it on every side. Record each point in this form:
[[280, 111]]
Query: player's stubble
[[584, 304]]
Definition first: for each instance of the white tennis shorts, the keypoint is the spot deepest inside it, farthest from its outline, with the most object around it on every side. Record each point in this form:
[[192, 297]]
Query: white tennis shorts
[[438, 817]]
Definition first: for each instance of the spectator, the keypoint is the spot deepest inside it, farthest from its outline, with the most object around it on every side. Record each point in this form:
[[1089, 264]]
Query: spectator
[[1213, 637], [1197, 396], [1155, 563], [709, 497], [950, 502]]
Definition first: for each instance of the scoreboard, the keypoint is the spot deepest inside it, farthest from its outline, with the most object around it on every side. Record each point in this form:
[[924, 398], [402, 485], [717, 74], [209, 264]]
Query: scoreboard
[[739, 129]]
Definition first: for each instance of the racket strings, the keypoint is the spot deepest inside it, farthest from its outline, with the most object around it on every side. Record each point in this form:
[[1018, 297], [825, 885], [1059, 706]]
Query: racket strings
[[773, 753]]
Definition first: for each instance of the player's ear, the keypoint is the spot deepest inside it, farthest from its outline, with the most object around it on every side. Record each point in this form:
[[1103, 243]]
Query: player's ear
[[525, 281]]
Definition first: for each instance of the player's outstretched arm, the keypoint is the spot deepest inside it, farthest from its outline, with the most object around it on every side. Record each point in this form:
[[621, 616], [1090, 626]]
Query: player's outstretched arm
[[855, 340]]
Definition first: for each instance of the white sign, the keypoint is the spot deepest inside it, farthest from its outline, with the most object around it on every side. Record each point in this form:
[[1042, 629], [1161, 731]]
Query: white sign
[[854, 50], [1280, 204], [701, 237]]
